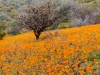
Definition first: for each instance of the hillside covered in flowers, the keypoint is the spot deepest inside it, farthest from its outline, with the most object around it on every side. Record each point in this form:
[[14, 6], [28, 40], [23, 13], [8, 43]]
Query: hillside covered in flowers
[[71, 51]]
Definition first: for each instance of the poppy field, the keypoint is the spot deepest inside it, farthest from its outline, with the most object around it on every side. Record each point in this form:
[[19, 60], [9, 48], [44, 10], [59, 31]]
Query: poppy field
[[70, 51]]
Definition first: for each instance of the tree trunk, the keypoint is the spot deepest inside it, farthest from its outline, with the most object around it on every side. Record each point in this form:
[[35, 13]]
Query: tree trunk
[[37, 35]]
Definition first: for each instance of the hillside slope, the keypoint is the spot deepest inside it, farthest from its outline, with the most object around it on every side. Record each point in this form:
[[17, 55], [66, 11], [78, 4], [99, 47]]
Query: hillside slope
[[73, 50]]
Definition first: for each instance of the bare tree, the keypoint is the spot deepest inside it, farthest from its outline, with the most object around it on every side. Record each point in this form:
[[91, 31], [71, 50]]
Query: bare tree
[[38, 17]]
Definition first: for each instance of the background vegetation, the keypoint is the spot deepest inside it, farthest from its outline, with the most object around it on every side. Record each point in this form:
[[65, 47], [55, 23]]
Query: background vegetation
[[80, 12]]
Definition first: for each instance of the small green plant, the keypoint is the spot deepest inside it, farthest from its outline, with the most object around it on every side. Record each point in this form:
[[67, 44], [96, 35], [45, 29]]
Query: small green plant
[[2, 34]]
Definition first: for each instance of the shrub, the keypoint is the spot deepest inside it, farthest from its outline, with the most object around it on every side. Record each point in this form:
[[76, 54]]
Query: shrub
[[65, 25], [79, 22], [83, 14], [3, 16], [16, 4], [97, 17], [14, 28], [2, 34]]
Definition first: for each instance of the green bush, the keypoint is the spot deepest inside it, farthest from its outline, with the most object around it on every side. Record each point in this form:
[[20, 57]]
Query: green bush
[[65, 25], [14, 28], [2, 34], [3, 16], [94, 55]]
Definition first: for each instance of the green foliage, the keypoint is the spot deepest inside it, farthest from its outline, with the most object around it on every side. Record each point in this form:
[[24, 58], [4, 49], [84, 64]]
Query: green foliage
[[85, 1], [51, 28], [98, 18], [3, 16], [88, 1], [2, 34], [60, 26], [94, 55], [4, 23], [65, 25], [7, 16], [12, 14], [14, 28]]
